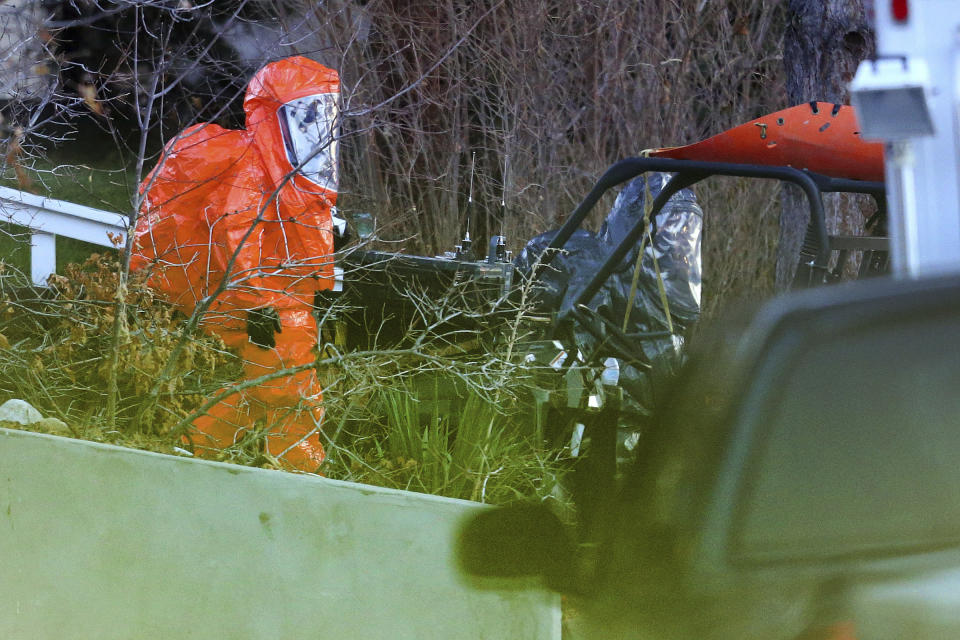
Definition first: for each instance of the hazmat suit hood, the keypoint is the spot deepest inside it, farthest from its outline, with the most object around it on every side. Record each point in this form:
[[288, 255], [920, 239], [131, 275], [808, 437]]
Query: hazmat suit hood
[[292, 113]]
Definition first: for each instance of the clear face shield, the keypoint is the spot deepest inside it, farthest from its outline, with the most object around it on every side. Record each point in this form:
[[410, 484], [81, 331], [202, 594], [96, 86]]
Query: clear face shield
[[309, 126]]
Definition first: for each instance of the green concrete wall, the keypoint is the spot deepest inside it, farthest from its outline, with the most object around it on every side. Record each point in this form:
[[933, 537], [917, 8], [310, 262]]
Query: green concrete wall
[[104, 542]]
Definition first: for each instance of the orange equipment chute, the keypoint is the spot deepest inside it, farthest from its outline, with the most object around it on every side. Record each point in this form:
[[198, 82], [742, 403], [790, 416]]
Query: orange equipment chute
[[245, 216], [819, 136]]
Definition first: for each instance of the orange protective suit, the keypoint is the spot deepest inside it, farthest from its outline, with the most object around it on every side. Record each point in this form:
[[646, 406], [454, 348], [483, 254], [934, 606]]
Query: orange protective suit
[[245, 216]]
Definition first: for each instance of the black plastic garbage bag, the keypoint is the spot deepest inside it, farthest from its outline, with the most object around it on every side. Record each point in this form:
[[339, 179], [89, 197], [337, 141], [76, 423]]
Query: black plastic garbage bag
[[568, 272], [674, 252]]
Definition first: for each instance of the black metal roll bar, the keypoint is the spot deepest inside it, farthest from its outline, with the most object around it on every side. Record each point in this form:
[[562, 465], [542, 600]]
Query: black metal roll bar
[[814, 257]]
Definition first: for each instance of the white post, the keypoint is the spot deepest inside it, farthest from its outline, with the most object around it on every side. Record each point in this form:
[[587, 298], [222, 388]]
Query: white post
[[924, 207], [902, 199], [43, 257]]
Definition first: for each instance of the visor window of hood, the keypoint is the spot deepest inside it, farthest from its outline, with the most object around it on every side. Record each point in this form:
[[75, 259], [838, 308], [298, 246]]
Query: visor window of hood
[[309, 125]]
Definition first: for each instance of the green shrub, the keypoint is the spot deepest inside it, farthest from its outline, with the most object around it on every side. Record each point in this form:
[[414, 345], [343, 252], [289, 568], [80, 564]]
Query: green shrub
[[482, 448]]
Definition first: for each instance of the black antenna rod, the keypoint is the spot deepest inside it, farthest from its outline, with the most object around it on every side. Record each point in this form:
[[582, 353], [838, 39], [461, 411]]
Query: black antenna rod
[[503, 196], [473, 164]]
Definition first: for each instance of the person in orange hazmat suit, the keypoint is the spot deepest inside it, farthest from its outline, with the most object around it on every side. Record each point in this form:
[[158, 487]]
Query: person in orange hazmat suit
[[239, 223]]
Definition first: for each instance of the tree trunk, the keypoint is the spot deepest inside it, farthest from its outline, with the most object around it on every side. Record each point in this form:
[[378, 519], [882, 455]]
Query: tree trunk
[[824, 42]]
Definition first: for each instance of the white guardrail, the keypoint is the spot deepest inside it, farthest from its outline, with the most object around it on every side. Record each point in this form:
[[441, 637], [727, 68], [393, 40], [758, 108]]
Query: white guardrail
[[47, 218]]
